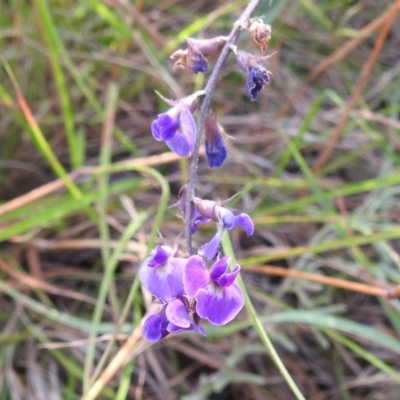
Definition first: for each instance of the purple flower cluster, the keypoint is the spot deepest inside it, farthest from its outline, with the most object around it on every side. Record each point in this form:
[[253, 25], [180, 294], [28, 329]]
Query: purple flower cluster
[[187, 291], [177, 127], [189, 288]]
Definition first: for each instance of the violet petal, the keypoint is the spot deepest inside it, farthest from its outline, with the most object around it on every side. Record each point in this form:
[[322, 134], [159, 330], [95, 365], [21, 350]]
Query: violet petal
[[195, 275], [182, 143], [158, 256], [245, 222], [155, 326], [166, 125], [226, 217], [193, 327], [163, 282], [177, 314], [219, 268], [228, 278], [216, 152], [210, 249], [196, 60], [220, 307], [256, 78]]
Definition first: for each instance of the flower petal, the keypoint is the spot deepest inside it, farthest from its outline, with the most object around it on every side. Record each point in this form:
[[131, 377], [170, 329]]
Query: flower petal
[[158, 256], [155, 326], [216, 153], [256, 78], [193, 327], [245, 222], [215, 146], [226, 280], [226, 217], [196, 60], [177, 314], [166, 125], [182, 143], [164, 282], [221, 307], [210, 250], [195, 276], [219, 268]]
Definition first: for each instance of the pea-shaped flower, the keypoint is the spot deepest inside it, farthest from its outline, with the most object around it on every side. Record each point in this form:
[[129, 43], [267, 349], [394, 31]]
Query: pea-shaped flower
[[177, 127], [257, 75], [161, 273], [172, 318], [225, 218], [218, 297]]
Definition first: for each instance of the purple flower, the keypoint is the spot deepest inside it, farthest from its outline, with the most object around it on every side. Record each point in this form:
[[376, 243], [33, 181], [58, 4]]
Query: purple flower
[[257, 75], [218, 297], [195, 55], [256, 78], [226, 220], [215, 146], [172, 318], [177, 127], [161, 273], [210, 249]]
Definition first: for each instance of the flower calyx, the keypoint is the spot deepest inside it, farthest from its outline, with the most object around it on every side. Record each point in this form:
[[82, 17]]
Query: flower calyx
[[195, 56]]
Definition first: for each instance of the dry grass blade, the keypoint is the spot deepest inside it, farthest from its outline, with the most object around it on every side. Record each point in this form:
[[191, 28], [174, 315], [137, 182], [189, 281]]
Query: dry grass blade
[[333, 59], [359, 86], [326, 280], [123, 355], [35, 283], [58, 184]]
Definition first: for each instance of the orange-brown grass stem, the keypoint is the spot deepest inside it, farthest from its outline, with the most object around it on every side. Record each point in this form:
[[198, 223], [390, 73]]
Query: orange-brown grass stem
[[326, 280]]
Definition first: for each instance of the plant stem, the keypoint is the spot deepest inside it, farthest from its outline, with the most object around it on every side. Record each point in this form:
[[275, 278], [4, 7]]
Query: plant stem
[[205, 106]]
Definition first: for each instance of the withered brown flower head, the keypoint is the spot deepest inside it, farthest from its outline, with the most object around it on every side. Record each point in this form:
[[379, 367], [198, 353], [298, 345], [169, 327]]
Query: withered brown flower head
[[260, 34]]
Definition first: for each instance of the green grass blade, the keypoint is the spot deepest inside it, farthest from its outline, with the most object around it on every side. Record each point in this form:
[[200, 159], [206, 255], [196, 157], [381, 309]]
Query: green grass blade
[[50, 33], [256, 322]]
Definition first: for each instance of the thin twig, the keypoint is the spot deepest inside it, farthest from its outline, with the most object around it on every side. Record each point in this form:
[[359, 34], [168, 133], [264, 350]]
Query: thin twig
[[205, 106]]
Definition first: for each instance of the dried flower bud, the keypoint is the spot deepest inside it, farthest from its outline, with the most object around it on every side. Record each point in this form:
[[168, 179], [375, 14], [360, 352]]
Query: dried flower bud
[[215, 146], [260, 34], [195, 55]]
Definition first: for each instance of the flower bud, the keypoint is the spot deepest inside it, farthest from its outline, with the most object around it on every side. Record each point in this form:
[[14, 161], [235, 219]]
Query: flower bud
[[195, 55], [215, 146]]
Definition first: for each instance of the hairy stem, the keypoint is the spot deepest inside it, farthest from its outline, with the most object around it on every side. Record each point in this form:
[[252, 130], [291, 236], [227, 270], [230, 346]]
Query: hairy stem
[[204, 108]]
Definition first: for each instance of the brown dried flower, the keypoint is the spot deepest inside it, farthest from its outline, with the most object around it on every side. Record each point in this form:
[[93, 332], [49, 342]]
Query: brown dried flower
[[260, 33]]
